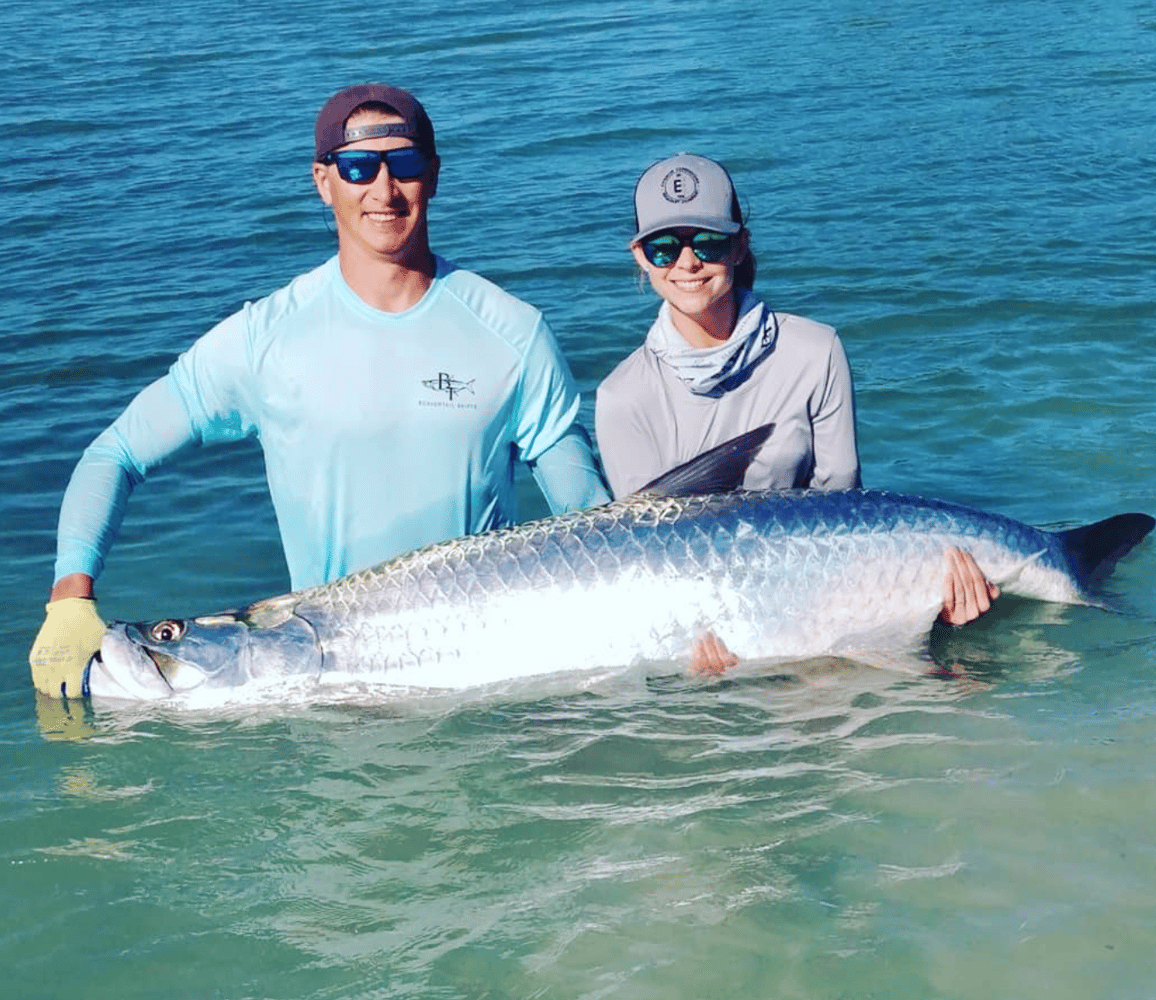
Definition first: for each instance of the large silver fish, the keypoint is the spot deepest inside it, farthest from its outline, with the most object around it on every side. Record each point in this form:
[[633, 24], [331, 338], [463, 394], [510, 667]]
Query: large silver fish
[[776, 575]]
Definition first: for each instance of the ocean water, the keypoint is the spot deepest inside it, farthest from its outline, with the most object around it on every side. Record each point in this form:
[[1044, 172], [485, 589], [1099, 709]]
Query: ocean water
[[965, 190]]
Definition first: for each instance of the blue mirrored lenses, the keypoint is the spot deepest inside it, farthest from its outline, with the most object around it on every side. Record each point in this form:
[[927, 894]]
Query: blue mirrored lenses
[[361, 166], [663, 249]]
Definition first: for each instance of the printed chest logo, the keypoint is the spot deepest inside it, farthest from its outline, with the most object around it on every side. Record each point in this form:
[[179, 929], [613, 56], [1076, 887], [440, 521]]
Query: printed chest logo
[[449, 391], [680, 185]]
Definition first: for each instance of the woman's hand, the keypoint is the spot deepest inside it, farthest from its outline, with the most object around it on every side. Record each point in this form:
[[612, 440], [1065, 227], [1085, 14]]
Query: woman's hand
[[967, 593], [710, 655]]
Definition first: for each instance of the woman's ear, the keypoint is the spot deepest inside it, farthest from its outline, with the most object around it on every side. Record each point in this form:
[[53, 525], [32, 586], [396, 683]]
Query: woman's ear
[[644, 270]]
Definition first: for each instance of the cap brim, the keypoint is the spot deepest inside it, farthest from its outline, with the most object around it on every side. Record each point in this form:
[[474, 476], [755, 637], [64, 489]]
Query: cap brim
[[730, 227]]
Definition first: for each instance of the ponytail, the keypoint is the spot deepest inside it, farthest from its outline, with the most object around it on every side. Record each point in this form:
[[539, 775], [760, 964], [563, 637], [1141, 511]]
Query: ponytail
[[745, 268]]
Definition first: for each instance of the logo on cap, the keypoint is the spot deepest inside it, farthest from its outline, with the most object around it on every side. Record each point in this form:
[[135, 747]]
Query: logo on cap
[[680, 185], [374, 131]]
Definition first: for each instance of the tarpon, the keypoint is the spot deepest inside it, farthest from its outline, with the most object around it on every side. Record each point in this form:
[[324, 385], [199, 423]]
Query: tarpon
[[778, 575]]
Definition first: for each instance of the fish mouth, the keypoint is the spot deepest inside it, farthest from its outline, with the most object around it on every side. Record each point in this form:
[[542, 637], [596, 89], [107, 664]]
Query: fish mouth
[[123, 669], [162, 662]]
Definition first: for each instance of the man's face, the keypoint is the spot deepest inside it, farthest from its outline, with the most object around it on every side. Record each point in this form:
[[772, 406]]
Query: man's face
[[385, 219]]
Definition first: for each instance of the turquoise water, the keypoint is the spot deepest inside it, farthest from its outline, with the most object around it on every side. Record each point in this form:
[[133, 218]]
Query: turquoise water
[[967, 195]]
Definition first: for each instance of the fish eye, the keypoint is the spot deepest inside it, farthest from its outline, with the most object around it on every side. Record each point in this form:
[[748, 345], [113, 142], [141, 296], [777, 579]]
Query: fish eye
[[169, 630]]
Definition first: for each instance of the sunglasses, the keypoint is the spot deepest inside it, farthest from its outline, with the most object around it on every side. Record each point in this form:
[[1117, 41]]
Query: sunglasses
[[361, 166], [664, 249]]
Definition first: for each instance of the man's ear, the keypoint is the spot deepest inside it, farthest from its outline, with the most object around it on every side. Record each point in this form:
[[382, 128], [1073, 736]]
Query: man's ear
[[321, 182], [435, 167]]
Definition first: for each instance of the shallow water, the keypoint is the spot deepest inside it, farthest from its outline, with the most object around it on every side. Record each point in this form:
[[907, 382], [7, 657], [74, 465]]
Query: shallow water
[[967, 196]]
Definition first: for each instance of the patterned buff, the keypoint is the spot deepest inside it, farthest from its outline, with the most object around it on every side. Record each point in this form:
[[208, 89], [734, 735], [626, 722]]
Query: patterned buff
[[710, 371]]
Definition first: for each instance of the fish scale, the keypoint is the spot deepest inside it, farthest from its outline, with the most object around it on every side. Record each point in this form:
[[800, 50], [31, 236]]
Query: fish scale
[[775, 575]]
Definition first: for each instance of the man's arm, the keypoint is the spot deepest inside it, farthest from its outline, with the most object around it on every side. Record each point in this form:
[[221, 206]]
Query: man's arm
[[153, 427], [567, 473], [74, 585], [548, 433]]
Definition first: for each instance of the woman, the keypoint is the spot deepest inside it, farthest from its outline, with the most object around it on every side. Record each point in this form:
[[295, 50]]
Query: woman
[[719, 361]]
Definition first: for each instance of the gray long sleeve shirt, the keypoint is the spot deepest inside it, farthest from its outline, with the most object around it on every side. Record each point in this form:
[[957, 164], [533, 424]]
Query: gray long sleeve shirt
[[648, 421]]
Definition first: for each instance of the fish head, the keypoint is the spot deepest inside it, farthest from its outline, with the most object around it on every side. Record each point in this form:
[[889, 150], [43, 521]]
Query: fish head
[[145, 661]]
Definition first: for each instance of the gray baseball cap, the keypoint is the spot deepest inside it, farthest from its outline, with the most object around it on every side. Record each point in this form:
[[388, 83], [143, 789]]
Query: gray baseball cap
[[685, 190]]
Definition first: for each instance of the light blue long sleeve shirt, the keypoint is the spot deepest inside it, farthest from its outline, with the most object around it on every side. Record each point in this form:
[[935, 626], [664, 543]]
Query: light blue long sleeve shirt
[[381, 432]]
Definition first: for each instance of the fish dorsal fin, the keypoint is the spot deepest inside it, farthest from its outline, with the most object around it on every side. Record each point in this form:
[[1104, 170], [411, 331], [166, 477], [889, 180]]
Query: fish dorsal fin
[[715, 471], [1095, 548]]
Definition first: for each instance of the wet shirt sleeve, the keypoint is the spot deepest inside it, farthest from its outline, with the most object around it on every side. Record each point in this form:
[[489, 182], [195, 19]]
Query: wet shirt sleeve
[[547, 432], [833, 425], [196, 402]]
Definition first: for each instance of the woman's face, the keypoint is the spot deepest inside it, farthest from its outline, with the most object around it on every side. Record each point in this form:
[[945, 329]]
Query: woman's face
[[699, 290]]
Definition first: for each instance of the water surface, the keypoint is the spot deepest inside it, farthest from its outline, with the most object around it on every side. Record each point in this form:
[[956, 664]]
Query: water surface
[[965, 194]]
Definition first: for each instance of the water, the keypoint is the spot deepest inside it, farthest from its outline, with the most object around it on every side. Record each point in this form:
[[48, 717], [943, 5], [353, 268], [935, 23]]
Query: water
[[966, 194]]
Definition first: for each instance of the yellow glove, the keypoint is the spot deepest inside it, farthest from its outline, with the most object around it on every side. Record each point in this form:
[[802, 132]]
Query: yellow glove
[[71, 633]]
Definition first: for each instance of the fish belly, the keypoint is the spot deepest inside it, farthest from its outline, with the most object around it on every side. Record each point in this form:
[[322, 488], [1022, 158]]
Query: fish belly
[[771, 576]]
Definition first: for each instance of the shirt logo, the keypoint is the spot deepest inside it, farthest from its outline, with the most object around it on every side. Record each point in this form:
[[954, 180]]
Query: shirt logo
[[680, 185], [451, 386]]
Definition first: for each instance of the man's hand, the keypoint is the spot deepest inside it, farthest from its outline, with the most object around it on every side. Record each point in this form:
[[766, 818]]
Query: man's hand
[[967, 594], [71, 633]]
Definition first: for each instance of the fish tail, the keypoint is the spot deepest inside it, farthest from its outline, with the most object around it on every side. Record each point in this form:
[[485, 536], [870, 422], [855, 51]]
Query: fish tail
[[1094, 549]]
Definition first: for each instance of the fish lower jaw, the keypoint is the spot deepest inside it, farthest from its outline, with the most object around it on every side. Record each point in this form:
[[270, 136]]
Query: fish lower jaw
[[115, 682]]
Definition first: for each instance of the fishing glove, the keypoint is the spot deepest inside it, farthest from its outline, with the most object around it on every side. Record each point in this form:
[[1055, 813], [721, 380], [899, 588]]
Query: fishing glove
[[71, 633]]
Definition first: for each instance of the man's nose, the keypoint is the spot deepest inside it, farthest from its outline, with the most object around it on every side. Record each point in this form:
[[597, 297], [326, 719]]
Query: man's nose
[[385, 179]]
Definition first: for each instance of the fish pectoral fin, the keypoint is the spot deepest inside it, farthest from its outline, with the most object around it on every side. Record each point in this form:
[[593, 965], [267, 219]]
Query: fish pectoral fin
[[1010, 577]]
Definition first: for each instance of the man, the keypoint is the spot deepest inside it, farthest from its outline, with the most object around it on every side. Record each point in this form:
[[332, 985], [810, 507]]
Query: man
[[389, 389]]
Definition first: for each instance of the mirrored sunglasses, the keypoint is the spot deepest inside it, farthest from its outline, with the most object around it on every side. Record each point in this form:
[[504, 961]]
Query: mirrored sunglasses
[[361, 166], [663, 249]]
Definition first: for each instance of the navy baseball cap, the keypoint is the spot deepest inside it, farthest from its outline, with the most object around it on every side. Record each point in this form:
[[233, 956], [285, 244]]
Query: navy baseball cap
[[331, 133]]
